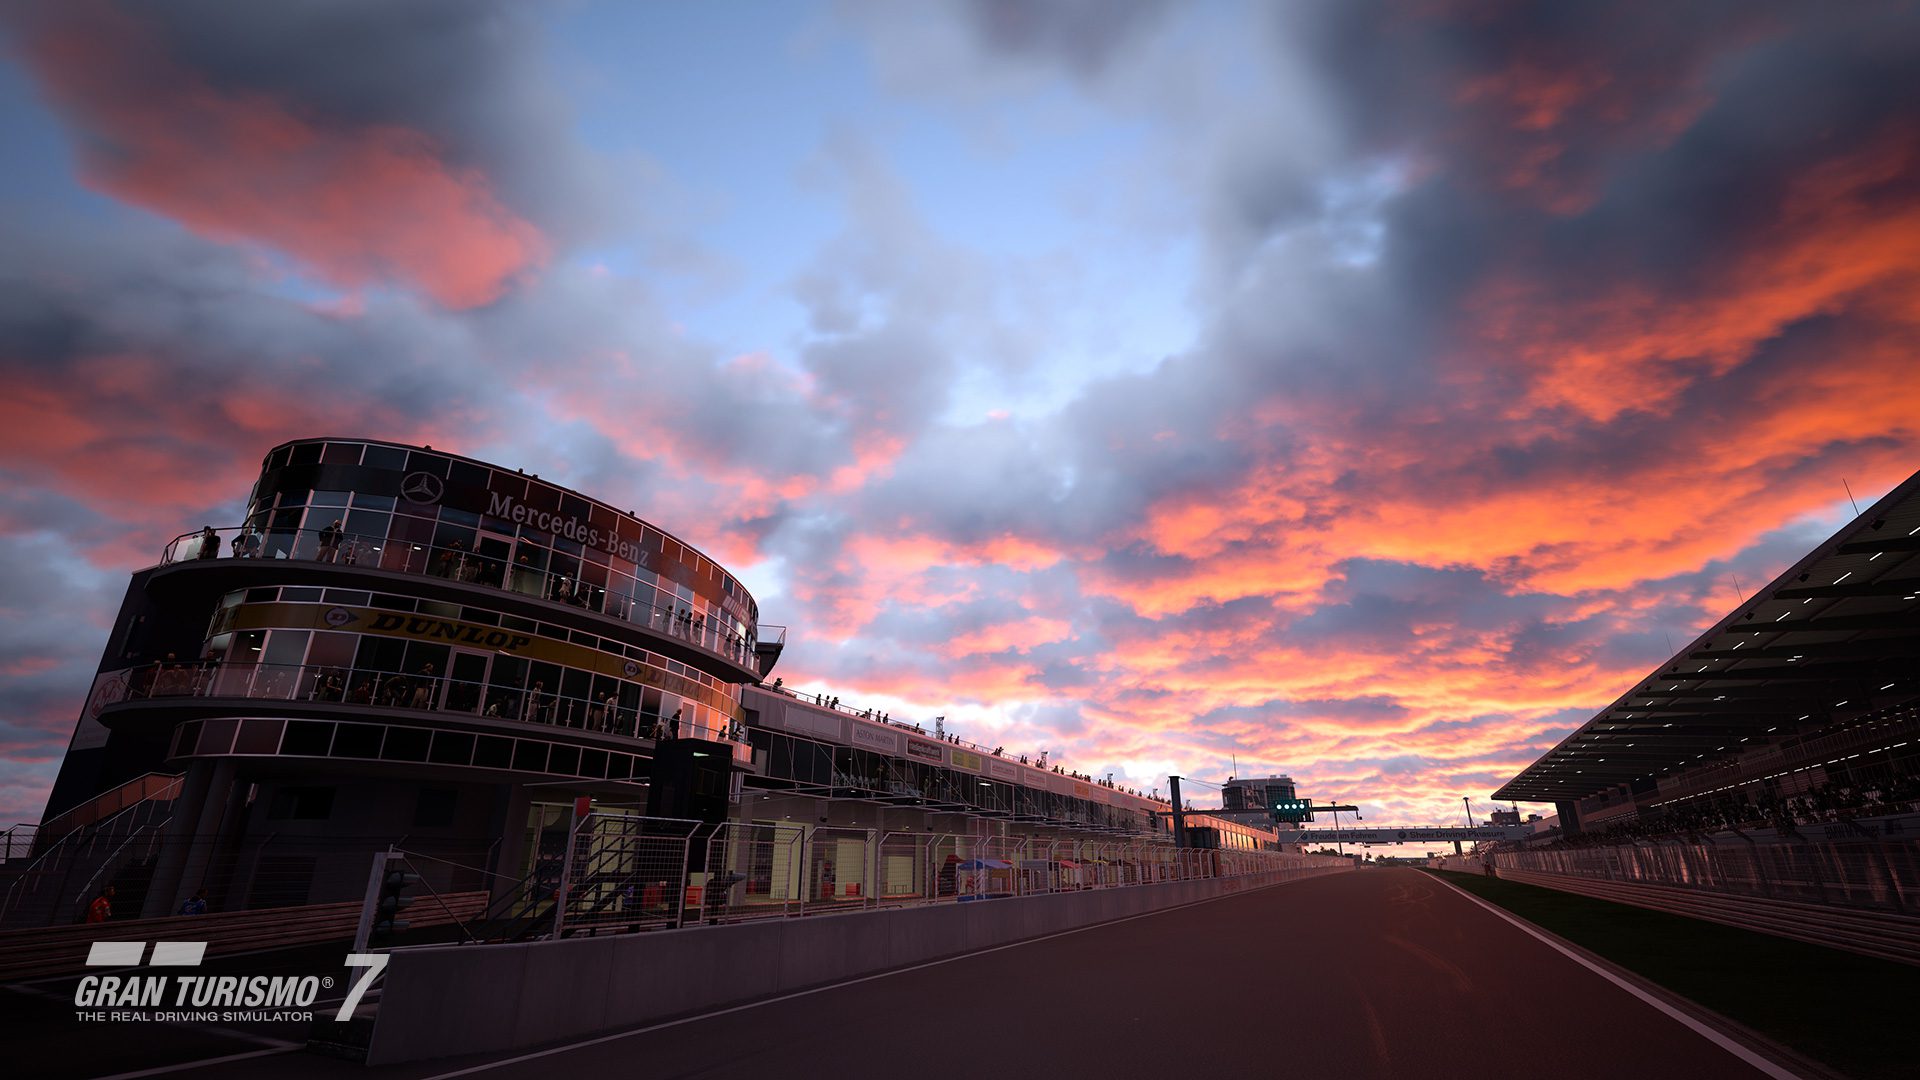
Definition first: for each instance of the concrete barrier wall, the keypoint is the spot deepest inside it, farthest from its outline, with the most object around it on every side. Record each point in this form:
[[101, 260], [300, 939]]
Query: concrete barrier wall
[[449, 1000], [1883, 935]]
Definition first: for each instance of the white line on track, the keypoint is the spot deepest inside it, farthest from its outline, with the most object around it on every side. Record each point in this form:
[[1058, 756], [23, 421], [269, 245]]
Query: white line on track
[[162, 1070], [597, 1040], [1720, 1039]]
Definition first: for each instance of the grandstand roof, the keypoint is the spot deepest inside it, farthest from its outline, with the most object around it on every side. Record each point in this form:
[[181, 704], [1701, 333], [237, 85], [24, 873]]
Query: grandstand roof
[[1835, 637]]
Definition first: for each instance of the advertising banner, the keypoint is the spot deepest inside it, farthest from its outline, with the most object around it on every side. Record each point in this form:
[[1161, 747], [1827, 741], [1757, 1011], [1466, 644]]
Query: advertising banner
[[875, 738]]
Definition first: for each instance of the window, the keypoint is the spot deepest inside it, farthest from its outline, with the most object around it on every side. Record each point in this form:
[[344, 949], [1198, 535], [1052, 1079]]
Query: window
[[301, 804], [427, 463], [466, 475], [406, 744], [452, 748], [385, 457], [307, 738], [358, 741]]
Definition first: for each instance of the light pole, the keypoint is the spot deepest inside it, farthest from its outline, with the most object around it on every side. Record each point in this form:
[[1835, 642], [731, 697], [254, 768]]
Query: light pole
[[1469, 806]]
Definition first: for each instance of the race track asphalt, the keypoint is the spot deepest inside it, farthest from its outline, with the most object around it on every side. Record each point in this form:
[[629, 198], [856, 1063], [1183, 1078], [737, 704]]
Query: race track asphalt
[[1382, 972]]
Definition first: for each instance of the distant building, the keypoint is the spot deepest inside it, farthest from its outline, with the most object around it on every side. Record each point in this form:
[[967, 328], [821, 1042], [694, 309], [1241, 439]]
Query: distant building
[[1256, 793]]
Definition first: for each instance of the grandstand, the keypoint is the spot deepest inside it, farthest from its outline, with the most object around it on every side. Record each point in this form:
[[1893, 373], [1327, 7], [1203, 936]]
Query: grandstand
[[1797, 710]]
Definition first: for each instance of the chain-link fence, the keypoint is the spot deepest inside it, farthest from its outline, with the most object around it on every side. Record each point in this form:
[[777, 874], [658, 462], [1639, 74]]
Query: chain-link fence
[[626, 871], [753, 872], [622, 872], [1867, 874]]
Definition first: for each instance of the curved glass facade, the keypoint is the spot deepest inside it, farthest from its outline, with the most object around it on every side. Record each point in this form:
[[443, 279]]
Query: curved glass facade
[[360, 648], [414, 510]]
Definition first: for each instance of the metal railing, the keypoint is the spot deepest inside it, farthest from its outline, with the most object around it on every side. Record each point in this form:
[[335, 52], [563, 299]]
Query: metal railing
[[17, 842], [45, 889], [139, 789], [823, 700], [1883, 875], [457, 563], [422, 692]]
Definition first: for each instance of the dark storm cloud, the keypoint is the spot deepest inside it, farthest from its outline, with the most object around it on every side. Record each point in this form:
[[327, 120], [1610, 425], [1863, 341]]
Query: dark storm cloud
[[1515, 323], [77, 290], [54, 612], [459, 72], [1084, 35]]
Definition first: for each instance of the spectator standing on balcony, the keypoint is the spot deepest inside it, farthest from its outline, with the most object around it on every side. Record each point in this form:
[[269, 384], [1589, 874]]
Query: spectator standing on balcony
[[673, 726], [537, 703], [423, 694], [330, 542], [209, 543], [102, 907], [168, 678]]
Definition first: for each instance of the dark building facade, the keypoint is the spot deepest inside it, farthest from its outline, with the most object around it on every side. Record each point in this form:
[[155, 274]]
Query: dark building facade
[[394, 641], [397, 647]]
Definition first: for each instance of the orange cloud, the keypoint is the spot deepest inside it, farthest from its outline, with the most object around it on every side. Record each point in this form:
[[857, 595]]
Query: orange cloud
[[1834, 236], [359, 204], [1018, 635]]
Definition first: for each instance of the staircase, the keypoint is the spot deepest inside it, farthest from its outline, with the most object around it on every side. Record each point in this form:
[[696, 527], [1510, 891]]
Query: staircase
[[54, 886]]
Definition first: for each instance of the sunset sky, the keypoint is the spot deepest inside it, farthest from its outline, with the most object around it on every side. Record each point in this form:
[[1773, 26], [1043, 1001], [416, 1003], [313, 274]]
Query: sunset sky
[[1372, 391]]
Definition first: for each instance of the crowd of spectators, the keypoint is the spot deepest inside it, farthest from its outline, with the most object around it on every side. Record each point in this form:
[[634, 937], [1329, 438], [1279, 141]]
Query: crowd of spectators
[[830, 701], [1834, 801]]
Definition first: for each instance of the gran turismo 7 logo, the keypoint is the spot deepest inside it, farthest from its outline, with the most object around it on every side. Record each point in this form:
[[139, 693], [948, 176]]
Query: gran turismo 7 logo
[[266, 997]]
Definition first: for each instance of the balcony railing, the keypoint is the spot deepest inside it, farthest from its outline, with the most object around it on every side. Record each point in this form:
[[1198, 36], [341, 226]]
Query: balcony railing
[[457, 563], [420, 692]]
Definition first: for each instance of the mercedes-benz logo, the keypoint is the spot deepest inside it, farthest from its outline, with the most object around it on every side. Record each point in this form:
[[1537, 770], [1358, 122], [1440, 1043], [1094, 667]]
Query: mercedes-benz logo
[[423, 488]]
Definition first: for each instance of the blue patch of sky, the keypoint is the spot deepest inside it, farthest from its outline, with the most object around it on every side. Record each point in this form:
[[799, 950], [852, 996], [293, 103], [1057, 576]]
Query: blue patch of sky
[[736, 105], [714, 94], [42, 174]]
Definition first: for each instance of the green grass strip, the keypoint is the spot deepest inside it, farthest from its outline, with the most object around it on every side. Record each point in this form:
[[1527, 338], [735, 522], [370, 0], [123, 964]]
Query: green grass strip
[[1852, 1013]]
